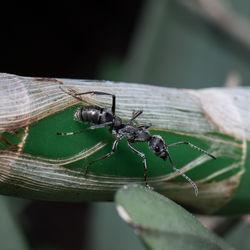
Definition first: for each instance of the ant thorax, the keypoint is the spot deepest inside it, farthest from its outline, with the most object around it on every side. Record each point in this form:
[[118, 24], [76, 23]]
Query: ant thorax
[[134, 134]]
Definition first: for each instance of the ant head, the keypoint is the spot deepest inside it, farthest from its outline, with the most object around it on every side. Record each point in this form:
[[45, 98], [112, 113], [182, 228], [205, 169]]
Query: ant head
[[157, 145]]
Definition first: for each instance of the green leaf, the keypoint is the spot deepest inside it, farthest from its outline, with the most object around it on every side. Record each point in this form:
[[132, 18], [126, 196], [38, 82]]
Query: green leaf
[[161, 223], [11, 236]]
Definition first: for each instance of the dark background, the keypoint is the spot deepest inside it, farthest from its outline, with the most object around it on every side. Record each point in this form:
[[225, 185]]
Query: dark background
[[65, 40], [68, 40]]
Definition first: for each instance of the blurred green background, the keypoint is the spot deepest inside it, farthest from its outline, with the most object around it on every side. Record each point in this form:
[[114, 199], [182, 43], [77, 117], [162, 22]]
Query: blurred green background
[[168, 43]]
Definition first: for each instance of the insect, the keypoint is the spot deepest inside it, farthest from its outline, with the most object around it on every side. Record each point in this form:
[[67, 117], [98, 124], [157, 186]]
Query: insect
[[102, 117]]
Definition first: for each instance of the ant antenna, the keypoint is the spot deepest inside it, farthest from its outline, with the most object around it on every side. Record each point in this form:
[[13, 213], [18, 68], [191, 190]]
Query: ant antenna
[[192, 146], [182, 174]]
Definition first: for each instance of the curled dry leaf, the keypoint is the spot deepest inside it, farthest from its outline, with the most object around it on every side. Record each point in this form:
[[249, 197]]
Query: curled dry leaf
[[218, 117]]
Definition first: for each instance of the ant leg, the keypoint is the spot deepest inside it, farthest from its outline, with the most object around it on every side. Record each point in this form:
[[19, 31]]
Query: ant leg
[[146, 125], [47, 79], [192, 146], [80, 131], [182, 174], [101, 93], [74, 94], [135, 115], [144, 161], [71, 92], [114, 147]]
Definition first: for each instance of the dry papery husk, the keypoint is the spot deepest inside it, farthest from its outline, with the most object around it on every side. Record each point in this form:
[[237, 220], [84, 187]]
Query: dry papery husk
[[219, 116]]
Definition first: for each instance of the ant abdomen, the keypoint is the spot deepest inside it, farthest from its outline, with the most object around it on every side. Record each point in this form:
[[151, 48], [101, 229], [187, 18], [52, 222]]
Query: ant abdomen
[[93, 114]]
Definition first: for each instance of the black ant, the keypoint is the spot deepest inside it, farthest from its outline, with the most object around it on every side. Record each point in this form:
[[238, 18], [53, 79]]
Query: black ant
[[102, 117]]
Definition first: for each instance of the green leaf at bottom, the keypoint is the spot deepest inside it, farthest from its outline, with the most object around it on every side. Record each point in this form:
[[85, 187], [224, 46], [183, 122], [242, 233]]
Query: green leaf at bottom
[[161, 223]]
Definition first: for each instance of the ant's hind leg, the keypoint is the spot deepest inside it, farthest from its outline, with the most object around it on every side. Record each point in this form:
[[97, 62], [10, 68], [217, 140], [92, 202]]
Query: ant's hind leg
[[77, 96], [114, 147], [91, 127], [71, 92], [101, 93]]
